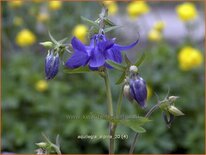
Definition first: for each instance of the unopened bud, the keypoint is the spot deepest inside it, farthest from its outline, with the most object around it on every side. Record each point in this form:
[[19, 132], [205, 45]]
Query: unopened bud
[[42, 144], [126, 92], [47, 44], [172, 98], [176, 112], [138, 90], [133, 69]]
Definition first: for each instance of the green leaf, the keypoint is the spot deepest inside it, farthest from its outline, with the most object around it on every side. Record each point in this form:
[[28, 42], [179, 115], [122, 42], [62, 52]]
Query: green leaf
[[108, 22], [116, 65], [111, 28], [121, 79], [62, 41], [104, 117], [135, 124], [78, 70], [127, 60], [90, 22], [52, 39], [139, 62]]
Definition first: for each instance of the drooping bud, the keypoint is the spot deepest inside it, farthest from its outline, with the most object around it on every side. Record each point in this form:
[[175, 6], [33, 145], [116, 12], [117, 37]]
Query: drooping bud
[[51, 64], [168, 119], [47, 44], [176, 112], [126, 92], [138, 90]]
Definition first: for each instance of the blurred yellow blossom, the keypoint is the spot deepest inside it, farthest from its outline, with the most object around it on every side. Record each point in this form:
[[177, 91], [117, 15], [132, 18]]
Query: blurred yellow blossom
[[189, 58], [108, 2], [112, 7], [37, 1], [15, 3], [137, 8], [41, 85], [159, 26], [80, 31], [149, 92], [17, 21], [42, 17], [25, 38], [154, 35], [186, 11], [55, 5]]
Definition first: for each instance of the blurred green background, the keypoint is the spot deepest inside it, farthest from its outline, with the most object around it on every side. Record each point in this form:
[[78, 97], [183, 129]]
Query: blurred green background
[[174, 45]]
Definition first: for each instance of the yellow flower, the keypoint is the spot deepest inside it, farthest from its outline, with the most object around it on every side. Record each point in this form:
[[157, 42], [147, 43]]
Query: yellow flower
[[25, 38], [186, 11], [41, 85], [17, 21], [108, 2], [137, 8], [37, 1], [55, 5], [80, 31], [154, 35], [159, 26], [189, 58], [15, 4], [149, 92], [112, 7], [42, 17]]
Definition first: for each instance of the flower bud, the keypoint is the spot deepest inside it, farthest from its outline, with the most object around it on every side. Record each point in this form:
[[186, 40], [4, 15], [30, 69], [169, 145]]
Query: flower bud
[[47, 44], [168, 119], [172, 98], [133, 69], [51, 65], [126, 92], [42, 144], [138, 90], [176, 112]]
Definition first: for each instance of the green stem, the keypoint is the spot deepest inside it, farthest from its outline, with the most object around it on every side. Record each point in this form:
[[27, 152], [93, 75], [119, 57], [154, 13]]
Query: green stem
[[110, 110], [114, 126], [119, 103], [155, 107]]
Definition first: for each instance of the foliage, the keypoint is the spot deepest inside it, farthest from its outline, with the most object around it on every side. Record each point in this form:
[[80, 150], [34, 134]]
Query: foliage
[[27, 112]]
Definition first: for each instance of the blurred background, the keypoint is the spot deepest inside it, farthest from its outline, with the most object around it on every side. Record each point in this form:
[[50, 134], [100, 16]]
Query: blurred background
[[172, 35]]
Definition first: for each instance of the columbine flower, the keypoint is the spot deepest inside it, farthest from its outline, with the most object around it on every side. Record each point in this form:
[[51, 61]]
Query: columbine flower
[[51, 64], [138, 90], [96, 54]]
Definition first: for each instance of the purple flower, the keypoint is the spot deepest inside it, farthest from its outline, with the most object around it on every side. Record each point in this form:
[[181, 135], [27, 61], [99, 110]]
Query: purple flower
[[138, 90], [96, 54], [51, 64]]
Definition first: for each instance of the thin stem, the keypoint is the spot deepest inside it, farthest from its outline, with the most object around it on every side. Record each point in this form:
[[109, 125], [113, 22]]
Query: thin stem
[[119, 103], [114, 126], [155, 107], [110, 110]]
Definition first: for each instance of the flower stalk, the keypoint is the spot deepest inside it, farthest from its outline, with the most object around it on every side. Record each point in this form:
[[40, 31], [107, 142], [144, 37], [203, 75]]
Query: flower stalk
[[148, 114], [110, 111]]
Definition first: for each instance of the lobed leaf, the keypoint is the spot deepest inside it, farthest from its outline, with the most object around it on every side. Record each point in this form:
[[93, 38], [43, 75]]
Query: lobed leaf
[[116, 65], [77, 70], [139, 62]]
